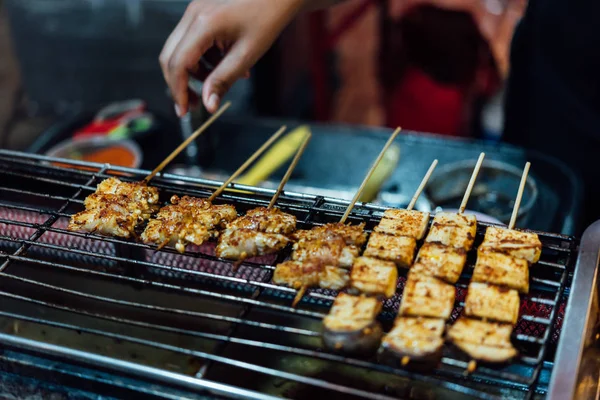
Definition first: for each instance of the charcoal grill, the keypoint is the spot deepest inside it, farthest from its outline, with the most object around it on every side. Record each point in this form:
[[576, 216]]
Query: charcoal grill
[[188, 322]]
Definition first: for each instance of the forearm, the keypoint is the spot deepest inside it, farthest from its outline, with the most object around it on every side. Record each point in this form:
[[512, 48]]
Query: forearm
[[310, 5]]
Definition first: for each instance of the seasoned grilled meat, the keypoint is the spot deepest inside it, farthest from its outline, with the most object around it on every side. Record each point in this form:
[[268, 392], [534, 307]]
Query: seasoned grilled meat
[[399, 249], [413, 340], [297, 275], [268, 220], [350, 327], [332, 251], [426, 296], [455, 230], [134, 191], [351, 234], [397, 222], [373, 276], [492, 302], [518, 244], [482, 340], [187, 220], [502, 270], [239, 244], [439, 261]]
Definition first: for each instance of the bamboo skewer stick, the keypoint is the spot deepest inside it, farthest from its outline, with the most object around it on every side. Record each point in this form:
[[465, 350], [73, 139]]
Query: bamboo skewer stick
[[368, 176], [290, 169], [465, 199], [414, 199], [515, 213], [183, 145], [247, 163]]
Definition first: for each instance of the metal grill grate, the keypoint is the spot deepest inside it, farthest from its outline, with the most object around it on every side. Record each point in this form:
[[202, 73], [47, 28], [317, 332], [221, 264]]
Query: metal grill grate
[[190, 320]]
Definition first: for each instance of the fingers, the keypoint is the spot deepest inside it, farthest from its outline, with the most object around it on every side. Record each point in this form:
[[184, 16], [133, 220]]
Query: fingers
[[173, 40]]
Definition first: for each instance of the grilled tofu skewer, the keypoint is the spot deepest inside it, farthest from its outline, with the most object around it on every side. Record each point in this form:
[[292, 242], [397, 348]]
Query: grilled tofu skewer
[[194, 220], [263, 230]]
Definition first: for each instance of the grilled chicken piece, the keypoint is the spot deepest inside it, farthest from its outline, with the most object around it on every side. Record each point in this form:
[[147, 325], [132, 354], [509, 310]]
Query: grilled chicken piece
[[397, 222], [113, 218], [268, 220], [492, 302], [399, 249], [297, 275], [351, 234], [414, 341], [502, 270], [135, 191], [455, 230], [482, 340], [425, 296], [442, 262], [332, 251], [525, 245], [351, 326], [240, 244], [187, 220], [373, 276]]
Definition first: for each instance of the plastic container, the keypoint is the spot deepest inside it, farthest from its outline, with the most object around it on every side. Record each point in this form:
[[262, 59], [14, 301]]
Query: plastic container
[[123, 153]]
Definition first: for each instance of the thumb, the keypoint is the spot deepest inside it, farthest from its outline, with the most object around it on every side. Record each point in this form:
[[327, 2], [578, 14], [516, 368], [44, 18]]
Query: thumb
[[232, 67]]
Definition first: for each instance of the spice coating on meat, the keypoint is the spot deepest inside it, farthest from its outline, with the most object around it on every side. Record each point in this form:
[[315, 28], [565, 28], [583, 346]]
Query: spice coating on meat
[[351, 234], [268, 220], [297, 275], [239, 244]]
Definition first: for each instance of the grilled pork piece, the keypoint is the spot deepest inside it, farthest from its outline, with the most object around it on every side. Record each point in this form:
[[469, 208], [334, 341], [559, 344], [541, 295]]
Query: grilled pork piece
[[303, 275], [350, 327], [426, 296], [492, 302], [413, 342], [442, 262], [410, 223], [268, 220], [331, 251], [373, 276], [483, 341], [187, 220], [502, 270], [455, 230], [134, 191], [353, 235], [399, 249], [518, 244]]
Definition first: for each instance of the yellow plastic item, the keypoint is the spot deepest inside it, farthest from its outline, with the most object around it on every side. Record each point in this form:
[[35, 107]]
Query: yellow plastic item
[[282, 151], [386, 166]]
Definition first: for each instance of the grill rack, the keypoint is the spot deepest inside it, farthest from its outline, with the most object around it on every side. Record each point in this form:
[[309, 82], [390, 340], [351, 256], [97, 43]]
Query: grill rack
[[132, 263]]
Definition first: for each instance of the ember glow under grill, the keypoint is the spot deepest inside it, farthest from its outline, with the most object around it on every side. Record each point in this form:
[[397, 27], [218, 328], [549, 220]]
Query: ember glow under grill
[[189, 321]]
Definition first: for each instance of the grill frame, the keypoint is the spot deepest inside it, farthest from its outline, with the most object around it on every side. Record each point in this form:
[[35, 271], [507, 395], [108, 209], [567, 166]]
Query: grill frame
[[327, 208]]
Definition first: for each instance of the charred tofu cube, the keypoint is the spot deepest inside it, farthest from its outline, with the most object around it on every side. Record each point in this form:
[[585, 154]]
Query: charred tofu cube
[[502, 270], [398, 249], [373, 276], [455, 230], [397, 222], [492, 302], [414, 339], [351, 326], [518, 244], [442, 262], [296, 275], [427, 297], [483, 340]]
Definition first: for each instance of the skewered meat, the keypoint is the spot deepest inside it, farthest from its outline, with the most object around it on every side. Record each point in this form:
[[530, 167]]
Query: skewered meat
[[350, 327], [427, 297], [297, 275], [502, 270], [373, 276], [332, 251], [268, 220], [398, 222], [455, 230], [351, 234], [492, 302], [187, 220], [518, 244], [399, 249], [482, 340], [414, 340], [134, 191], [439, 261]]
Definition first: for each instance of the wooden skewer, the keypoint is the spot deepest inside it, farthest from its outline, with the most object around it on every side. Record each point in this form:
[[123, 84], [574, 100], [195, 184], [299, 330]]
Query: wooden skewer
[[247, 163], [465, 199], [183, 145], [364, 182], [299, 296], [414, 199], [515, 213], [290, 169]]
